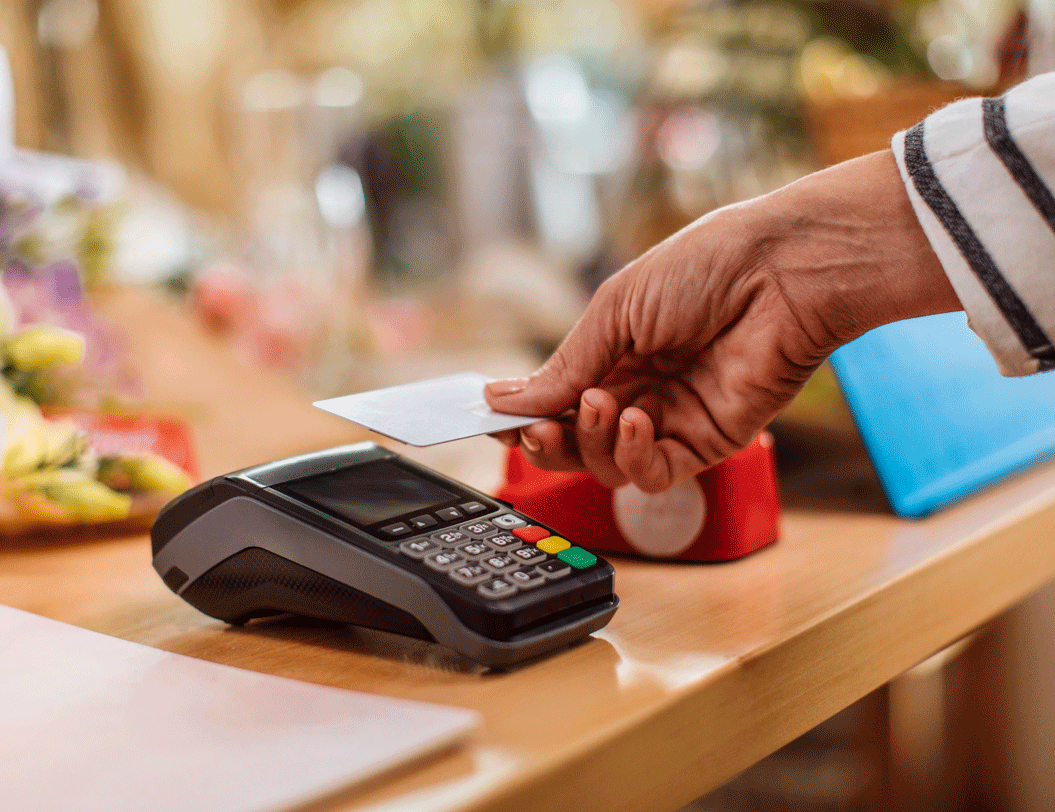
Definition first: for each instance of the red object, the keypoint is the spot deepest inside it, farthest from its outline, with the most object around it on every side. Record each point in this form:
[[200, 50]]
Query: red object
[[531, 534], [724, 513], [132, 434]]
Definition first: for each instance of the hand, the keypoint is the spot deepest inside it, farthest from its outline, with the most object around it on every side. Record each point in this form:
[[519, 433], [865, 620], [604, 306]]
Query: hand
[[684, 355]]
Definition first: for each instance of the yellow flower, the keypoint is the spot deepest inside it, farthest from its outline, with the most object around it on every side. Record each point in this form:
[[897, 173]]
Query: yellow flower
[[43, 346]]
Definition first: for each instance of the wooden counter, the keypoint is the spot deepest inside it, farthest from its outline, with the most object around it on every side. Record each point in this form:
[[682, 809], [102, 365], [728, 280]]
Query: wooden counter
[[703, 671]]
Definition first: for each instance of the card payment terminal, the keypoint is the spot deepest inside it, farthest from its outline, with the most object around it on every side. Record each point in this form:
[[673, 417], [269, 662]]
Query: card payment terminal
[[362, 535]]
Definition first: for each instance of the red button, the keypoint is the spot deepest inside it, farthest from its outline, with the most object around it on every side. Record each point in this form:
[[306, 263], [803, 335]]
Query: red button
[[531, 533]]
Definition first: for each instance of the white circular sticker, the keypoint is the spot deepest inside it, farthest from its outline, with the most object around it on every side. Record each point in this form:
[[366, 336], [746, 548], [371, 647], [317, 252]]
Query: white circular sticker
[[660, 524]]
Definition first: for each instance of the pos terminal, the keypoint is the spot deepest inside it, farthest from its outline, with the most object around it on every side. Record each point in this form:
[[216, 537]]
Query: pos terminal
[[361, 535]]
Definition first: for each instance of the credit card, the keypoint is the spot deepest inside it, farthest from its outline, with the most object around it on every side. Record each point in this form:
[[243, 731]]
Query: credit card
[[427, 412]]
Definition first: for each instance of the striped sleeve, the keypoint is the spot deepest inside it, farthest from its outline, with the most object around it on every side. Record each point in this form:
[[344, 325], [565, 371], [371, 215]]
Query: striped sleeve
[[981, 177]]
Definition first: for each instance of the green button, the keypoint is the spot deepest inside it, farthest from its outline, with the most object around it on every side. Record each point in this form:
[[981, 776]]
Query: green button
[[577, 557]]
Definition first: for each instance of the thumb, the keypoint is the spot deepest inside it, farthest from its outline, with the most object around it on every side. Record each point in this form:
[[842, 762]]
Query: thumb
[[582, 360]]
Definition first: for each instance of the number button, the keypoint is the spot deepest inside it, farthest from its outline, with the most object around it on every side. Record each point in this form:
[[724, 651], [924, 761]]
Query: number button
[[419, 549], [479, 530], [496, 588], [448, 538], [529, 555], [526, 579], [507, 521], [499, 563], [504, 542], [475, 549], [553, 569], [444, 560], [470, 574]]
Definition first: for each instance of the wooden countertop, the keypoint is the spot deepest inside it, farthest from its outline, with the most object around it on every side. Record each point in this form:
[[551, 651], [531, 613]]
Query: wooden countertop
[[704, 670]]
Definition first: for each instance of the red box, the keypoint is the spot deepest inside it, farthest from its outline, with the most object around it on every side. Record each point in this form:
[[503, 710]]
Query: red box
[[725, 512]]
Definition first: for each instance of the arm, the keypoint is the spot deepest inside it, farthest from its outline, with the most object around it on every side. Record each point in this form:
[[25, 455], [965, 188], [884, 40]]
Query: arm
[[685, 354], [980, 174]]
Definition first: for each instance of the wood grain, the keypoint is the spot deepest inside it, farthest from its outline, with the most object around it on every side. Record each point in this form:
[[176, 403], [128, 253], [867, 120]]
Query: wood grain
[[704, 670]]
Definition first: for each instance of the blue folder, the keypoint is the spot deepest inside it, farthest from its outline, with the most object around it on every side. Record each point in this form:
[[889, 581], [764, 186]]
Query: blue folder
[[939, 420]]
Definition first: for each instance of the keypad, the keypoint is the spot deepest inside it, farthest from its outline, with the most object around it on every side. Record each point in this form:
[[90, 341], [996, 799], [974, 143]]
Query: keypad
[[504, 541], [507, 521], [499, 556], [499, 563], [529, 555], [475, 549], [449, 538], [554, 569], [526, 578], [419, 548], [496, 588], [554, 544], [577, 557], [531, 533], [470, 574], [450, 514], [479, 530], [444, 560], [423, 522]]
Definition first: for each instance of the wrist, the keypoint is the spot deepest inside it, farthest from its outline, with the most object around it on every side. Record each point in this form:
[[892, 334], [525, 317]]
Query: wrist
[[846, 246]]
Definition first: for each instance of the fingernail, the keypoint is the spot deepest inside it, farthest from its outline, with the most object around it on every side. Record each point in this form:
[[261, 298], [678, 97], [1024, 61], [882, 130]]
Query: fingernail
[[509, 386], [588, 415], [626, 430], [530, 443]]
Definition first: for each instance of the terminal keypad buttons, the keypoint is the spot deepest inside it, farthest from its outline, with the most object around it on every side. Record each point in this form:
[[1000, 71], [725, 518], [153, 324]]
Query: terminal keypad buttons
[[449, 538], [479, 529], [470, 574], [422, 522], [496, 588], [554, 569], [419, 548], [554, 544], [526, 578], [507, 521], [498, 557], [504, 542], [444, 560], [531, 534], [529, 555], [475, 549]]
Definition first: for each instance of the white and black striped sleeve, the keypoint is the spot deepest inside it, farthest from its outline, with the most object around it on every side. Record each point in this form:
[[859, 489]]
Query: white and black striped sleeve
[[981, 177]]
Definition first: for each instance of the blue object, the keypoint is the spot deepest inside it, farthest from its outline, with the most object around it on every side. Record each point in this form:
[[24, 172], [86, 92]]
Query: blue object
[[939, 420]]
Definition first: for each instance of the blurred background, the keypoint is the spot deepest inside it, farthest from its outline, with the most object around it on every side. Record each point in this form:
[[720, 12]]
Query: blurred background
[[357, 193]]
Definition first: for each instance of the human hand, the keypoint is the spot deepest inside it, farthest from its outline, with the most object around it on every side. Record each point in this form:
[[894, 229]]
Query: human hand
[[684, 355]]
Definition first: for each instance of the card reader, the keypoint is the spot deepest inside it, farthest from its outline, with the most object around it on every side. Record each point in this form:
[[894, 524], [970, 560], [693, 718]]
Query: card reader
[[362, 535]]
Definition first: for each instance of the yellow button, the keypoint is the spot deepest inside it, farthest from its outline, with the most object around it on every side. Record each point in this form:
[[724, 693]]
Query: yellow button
[[553, 545]]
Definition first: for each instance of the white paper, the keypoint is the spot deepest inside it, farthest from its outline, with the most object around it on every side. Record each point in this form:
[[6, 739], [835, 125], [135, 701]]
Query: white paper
[[92, 722]]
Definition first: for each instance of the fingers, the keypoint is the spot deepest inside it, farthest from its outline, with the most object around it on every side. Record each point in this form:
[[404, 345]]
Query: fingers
[[595, 433], [550, 445], [585, 357], [651, 465]]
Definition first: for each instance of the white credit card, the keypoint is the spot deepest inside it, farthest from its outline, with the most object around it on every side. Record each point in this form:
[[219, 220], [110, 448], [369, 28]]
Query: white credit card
[[427, 412]]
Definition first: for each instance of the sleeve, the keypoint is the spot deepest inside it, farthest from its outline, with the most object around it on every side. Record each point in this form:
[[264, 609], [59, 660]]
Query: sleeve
[[981, 177]]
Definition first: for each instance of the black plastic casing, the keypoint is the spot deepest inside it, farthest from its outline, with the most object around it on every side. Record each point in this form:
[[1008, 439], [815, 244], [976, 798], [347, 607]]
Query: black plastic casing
[[253, 581]]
